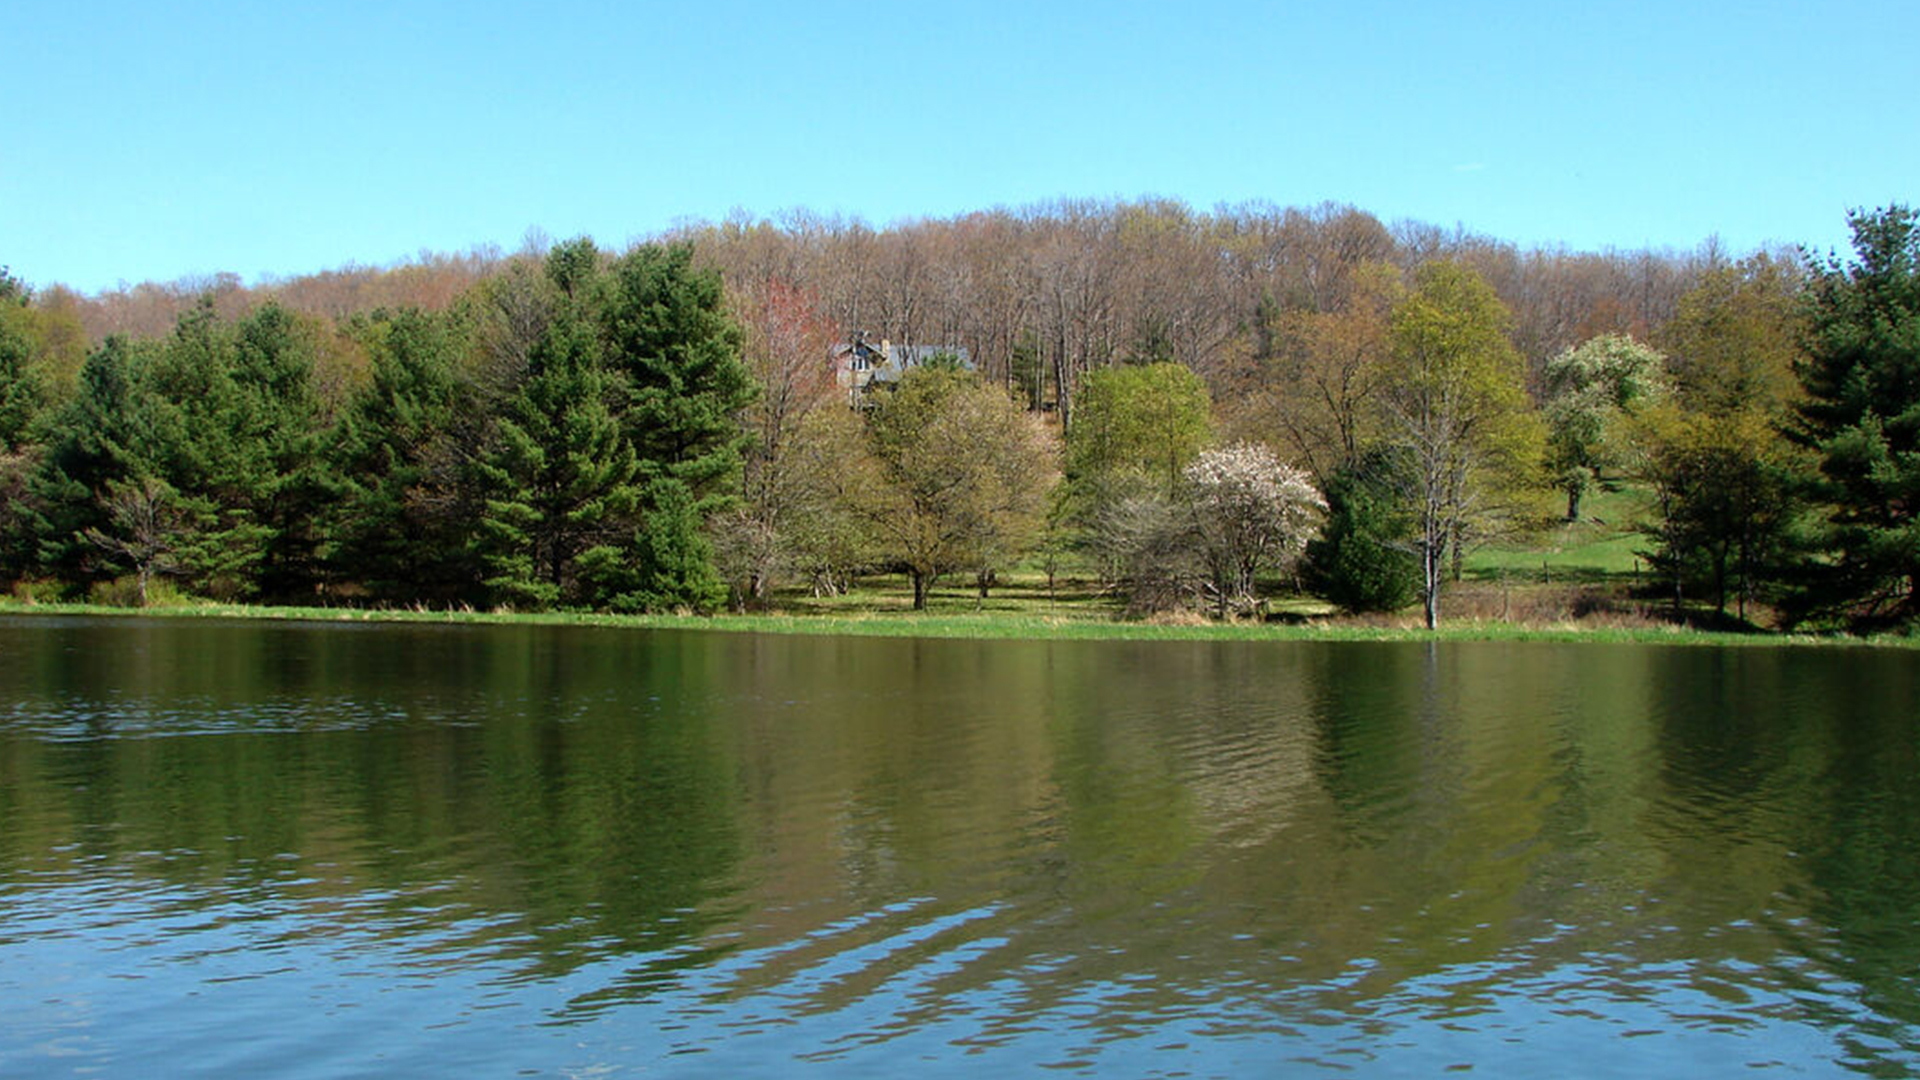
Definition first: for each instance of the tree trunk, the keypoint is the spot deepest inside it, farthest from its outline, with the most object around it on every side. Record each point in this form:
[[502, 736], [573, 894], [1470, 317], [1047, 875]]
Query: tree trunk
[[919, 591], [1573, 503], [1430, 563]]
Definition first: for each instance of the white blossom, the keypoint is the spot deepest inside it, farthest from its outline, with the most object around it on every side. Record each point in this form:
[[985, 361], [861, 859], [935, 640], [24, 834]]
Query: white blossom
[[1253, 512]]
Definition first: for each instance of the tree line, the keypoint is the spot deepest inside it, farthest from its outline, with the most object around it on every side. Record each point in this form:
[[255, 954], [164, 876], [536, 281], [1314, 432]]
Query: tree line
[[1179, 402]]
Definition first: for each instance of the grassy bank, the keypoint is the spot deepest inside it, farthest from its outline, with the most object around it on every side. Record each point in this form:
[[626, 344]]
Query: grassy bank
[[982, 625], [1572, 581]]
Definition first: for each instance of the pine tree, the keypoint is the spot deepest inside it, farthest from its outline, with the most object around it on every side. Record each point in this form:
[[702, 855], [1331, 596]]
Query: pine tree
[[1862, 417], [669, 336], [22, 390], [104, 436], [23, 399], [667, 564], [286, 488], [561, 475], [401, 525], [1361, 561], [209, 441]]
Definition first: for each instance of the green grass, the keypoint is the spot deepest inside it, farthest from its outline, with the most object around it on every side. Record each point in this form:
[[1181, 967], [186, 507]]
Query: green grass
[[983, 625], [1602, 546]]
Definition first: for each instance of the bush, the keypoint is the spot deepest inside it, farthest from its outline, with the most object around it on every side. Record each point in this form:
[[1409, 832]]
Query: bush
[[1355, 564], [124, 592]]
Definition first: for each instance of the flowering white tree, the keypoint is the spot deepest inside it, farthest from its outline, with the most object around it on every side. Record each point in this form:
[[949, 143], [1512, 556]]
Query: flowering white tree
[[1251, 511]]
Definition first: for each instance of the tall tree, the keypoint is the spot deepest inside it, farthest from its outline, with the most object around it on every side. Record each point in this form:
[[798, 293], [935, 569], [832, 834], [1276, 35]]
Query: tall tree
[[1151, 419], [669, 336], [1722, 477], [212, 440], [1723, 490], [1591, 388], [966, 472], [22, 390], [787, 352], [1861, 417], [274, 356], [102, 437], [403, 522], [561, 476], [1453, 400]]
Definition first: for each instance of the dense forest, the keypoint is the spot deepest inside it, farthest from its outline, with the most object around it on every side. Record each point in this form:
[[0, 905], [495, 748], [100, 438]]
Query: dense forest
[[1177, 402]]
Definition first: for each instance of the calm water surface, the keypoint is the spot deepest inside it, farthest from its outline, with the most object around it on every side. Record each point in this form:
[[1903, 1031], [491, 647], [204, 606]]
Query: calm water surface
[[319, 851]]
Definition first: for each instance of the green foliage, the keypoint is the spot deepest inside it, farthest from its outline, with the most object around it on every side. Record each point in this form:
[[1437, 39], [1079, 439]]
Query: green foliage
[[23, 392], [216, 438], [103, 435], [829, 529], [1153, 419], [1454, 402], [402, 524], [286, 486], [1361, 561], [669, 336], [561, 475], [964, 475], [1028, 369], [1861, 417], [483, 452], [1723, 486], [668, 566], [1726, 509], [1590, 388], [1735, 337], [573, 267]]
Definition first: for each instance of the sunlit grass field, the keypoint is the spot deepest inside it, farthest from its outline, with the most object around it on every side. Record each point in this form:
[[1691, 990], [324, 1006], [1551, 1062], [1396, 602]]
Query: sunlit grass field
[[1603, 546]]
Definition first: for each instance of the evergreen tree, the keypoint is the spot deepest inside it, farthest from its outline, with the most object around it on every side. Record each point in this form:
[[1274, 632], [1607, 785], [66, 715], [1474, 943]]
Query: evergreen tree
[[22, 401], [1862, 417], [285, 487], [666, 566], [561, 476], [22, 390], [402, 526], [1362, 561], [211, 442], [103, 437], [669, 336]]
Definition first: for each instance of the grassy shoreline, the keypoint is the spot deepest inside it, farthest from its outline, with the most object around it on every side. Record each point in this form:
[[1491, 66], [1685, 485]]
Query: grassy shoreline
[[985, 626]]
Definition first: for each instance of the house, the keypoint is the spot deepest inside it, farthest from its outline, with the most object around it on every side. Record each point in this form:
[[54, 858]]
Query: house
[[859, 365]]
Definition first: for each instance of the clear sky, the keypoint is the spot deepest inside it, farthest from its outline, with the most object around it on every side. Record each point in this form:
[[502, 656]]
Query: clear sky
[[154, 141]]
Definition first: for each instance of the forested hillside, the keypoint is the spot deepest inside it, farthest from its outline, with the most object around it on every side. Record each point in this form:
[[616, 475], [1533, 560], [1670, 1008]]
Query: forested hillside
[[666, 427]]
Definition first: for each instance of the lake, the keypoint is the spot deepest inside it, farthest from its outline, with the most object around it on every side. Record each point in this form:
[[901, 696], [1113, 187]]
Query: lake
[[323, 850]]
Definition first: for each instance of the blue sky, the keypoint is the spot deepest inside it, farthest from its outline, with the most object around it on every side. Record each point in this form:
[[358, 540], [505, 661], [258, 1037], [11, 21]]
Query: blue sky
[[147, 143]]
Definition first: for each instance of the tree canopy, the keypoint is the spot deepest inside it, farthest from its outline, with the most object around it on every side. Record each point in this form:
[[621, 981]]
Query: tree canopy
[[1591, 388], [1861, 416], [966, 474], [1454, 402]]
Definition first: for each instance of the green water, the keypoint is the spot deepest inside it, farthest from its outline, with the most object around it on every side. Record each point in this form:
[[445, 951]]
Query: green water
[[265, 849]]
